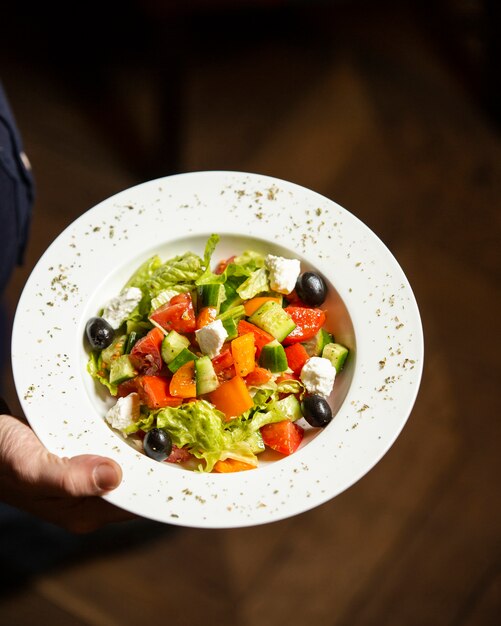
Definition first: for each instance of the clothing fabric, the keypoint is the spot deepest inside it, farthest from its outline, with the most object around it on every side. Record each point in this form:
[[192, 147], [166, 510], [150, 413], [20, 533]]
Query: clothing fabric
[[17, 193]]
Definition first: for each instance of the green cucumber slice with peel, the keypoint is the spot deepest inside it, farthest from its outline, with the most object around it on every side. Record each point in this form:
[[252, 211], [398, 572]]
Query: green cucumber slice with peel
[[336, 353], [271, 318], [273, 357], [211, 295], [183, 357], [172, 345], [206, 377], [316, 345], [121, 369]]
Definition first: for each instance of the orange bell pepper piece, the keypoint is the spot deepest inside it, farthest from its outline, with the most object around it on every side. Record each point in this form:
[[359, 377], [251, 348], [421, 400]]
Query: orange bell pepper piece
[[253, 304], [231, 465], [243, 350], [261, 337], [207, 315], [183, 383], [232, 397]]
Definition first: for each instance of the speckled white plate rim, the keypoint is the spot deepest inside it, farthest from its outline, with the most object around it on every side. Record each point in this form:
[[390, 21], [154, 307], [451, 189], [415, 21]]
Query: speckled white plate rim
[[48, 356]]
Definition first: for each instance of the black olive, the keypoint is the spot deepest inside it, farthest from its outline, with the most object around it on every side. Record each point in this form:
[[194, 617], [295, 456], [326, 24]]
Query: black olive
[[316, 410], [157, 444], [311, 288], [99, 333]]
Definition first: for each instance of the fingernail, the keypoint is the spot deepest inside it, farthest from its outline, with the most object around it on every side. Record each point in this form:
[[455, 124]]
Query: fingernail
[[106, 477]]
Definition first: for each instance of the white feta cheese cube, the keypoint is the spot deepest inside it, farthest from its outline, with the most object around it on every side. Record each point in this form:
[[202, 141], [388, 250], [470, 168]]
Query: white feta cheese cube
[[318, 376], [283, 273], [117, 309], [124, 413], [211, 338]]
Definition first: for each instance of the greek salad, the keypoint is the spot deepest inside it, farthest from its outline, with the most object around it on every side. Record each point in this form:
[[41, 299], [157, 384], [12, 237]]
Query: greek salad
[[210, 368]]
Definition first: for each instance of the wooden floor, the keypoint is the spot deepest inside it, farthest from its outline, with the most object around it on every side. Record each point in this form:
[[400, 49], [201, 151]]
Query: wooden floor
[[374, 119]]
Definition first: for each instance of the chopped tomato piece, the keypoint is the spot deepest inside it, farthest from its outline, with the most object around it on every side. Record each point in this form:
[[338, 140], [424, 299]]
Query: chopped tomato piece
[[222, 361], [207, 315], [232, 397], [294, 299], [127, 387], [183, 383], [284, 437], [286, 376], [145, 355], [178, 314], [296, 357], [308, 323], [259, 376], [231, 465], [154, 392], [222, 265], [243, 351], [261, 337], [253, 304], [179, 455], [227, 374]]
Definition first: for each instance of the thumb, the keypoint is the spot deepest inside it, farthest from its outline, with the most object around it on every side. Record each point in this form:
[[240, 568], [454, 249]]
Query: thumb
[[28, 469], [80, 476]]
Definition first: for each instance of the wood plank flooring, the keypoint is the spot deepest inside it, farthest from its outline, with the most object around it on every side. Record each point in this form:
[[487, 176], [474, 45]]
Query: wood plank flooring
[[373, 119]]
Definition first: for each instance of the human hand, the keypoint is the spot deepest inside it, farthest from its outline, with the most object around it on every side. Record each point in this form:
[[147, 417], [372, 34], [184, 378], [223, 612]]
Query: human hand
[[63, 491]]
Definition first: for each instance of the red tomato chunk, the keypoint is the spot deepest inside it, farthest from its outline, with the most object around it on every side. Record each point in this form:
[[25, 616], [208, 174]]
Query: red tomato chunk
[[284, 437], [178, 314], [145, 355], [308, 323]]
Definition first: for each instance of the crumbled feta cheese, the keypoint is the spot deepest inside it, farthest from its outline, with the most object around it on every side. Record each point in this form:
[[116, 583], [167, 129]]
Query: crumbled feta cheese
[[318, 376], [283, 273], [117, 309], [124, 413], [211, 338]]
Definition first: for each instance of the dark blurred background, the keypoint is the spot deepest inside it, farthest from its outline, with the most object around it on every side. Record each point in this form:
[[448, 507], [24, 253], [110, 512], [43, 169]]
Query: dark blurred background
[[393, 110]]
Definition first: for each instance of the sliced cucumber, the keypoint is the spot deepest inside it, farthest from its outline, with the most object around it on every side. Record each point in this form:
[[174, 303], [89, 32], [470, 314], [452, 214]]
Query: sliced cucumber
[[231, 327], [206, 378], [236, 313], [289, 407], [273, 357], [172, 345], [121, 370], [336, 353], [114, 350], [273, 319], [211, 295], [315, 346], [183, 357], [132, 337]]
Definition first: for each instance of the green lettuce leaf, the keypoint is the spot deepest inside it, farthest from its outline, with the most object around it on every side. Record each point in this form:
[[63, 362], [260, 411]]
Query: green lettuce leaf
[[198, 426], [250, 260], [144, 271], [185, 268], [145, 423], [256, 283]]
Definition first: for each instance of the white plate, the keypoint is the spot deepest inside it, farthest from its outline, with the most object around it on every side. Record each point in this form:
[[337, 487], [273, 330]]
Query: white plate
[[372, 310]]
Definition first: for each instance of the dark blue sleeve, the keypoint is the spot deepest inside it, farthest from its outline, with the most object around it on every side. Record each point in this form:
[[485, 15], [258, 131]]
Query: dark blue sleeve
[[16, 193]]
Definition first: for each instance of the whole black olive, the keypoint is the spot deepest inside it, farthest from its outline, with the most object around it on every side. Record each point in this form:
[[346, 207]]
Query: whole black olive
[[99, 333], [157, 444], [311, 288], [316, 410]]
